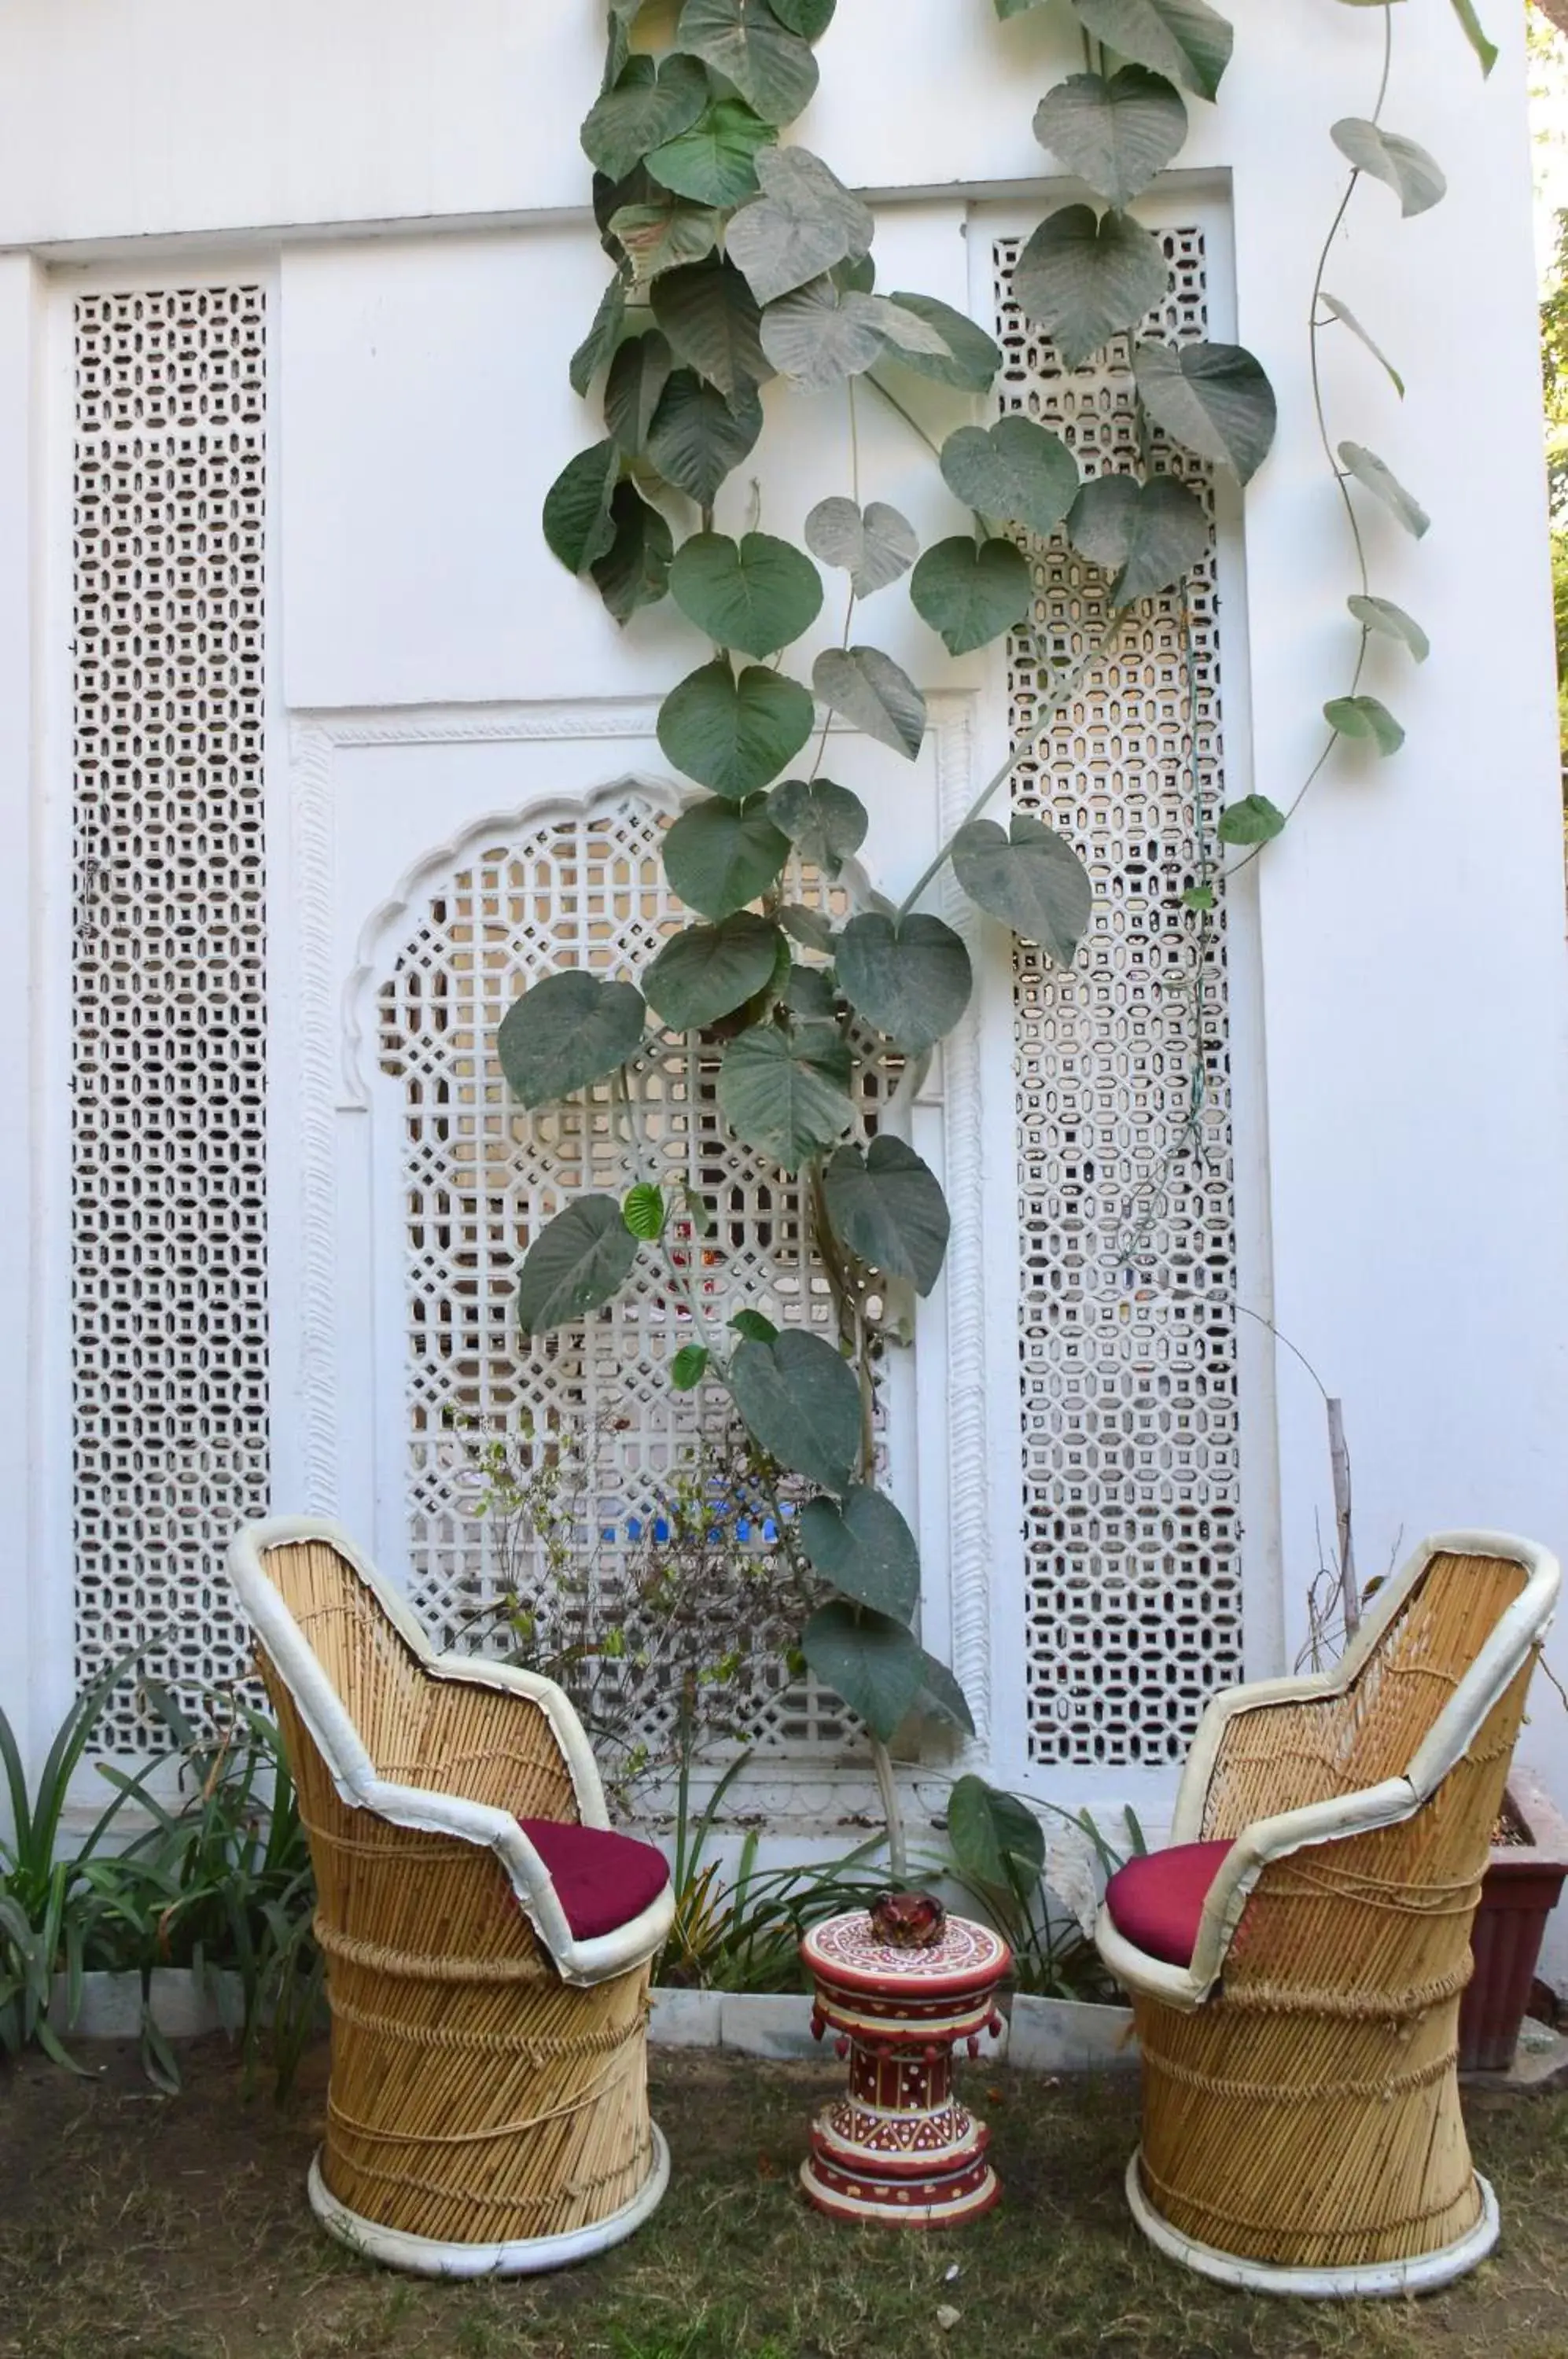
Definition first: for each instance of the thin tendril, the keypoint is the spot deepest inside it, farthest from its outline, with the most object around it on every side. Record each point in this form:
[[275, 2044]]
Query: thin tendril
[[1055, 694], [1341, 475], [909, 418]]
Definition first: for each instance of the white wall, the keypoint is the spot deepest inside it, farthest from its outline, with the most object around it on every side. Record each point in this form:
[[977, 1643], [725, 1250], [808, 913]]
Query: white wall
[[1412, 922]]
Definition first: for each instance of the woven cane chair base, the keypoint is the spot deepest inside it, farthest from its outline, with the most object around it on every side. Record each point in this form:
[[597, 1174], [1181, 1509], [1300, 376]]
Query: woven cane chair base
[[1363, 2281], [425, 2256]]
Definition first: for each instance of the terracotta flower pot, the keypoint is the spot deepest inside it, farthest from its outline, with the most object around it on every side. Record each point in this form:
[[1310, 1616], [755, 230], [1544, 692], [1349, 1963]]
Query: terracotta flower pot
[[1518, 1893]]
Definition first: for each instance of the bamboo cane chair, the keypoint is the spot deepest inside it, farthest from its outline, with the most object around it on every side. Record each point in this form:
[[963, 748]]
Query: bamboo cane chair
[[1302, 2128], [488, 2110]]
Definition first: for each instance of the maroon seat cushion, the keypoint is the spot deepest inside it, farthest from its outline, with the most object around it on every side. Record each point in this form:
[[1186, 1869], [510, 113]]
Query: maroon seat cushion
[[1156, 1901], [601, 1880]]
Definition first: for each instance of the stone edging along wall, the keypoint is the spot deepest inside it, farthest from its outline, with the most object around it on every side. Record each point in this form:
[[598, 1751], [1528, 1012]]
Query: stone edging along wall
[[1038, 2035]]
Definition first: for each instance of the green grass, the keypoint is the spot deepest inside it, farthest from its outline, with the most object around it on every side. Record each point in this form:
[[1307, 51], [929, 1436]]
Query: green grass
[[134, 2226]]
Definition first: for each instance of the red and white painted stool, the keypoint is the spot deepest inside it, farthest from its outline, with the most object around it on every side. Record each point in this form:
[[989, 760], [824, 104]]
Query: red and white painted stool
[[899, 2147]]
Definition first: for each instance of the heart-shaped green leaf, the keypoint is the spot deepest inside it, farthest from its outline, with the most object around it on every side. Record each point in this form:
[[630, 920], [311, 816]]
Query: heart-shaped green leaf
[[825, 823], [1117, 135], [689, 1367], [804, 221], [577, 520], [909, 977], [810, 19], [602, 334], [1384, 484], [720, 855], [875, 694], [940, 1693], [1252, 820], [1184, 39], [787, 1093], [990, 1831], [732, 734], [772, 68], [708, 313], [618, 51], [1015, 471], [1485, 50], [1084, 277], [821, 335], [706, 972], [634, 389], [906, 331], [1416, 178], [1214, 399], [857, 278], [1391, 622], [970, 358], [801, 1402], [610, 196], [1148, 534], [662, 233], [635, 570], [568, 1031], [868, 1660], [970, 595], [644, 1211], [697, 436], [1364, 716], [1347, 319], [866, 1548], [809, 993], [1029, 878], [888, 1207], [873, 545], [714, 163], [578, 1263], [753, 1327], [645, 108], [756, 594], [809, 927]]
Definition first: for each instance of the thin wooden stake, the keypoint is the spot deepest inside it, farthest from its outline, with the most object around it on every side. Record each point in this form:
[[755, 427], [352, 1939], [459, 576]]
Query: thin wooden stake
[[1339, 1460]]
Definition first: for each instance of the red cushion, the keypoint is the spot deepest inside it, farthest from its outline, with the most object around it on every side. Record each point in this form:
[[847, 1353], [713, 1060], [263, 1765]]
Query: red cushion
[[1156, 1902], [601, 1880]]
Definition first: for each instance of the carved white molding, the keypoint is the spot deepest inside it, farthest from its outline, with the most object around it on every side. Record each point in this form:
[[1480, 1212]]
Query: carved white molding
[[311, 875], [332, 1083], [968, 1496]]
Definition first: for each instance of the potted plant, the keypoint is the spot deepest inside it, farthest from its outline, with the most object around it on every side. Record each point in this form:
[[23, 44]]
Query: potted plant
[[1518, 1892]]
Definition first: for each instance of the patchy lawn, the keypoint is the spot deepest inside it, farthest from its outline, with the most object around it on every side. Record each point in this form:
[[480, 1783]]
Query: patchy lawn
[[134, 2226]]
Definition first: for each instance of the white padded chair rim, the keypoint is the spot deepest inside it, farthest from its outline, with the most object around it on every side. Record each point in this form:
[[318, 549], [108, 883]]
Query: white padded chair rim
[[353, 1773], [1520, 1627]]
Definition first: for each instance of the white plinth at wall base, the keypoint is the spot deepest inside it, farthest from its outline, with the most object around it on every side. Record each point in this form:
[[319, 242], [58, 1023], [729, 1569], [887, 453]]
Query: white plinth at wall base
[[424, 2257], [1365, 2281]]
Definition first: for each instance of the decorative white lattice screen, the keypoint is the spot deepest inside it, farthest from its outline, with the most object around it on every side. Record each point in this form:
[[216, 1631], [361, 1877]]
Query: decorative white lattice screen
[[168, 1235], [480, 1177], [1127, 1198]]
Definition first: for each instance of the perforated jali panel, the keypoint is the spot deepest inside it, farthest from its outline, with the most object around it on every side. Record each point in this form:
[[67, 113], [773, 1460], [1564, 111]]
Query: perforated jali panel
[[481, 1177], [1127, 1198], [167, 1218]]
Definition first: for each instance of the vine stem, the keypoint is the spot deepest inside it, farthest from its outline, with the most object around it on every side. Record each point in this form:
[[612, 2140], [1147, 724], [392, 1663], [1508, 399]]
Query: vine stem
[[850, 602], [1314, 331], [911, 420], [1056, 694], [893, 1811], [849, 1312], [643, 1164]]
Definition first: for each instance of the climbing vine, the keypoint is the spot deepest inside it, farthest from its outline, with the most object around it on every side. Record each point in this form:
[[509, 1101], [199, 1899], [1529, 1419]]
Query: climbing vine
[[738, 258]]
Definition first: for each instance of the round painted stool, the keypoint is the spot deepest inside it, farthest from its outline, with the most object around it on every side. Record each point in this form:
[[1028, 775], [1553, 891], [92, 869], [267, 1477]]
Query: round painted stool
[[898, 2147]]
